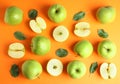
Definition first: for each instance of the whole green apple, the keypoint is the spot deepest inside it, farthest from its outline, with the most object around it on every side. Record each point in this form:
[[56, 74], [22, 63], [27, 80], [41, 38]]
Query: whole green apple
[[107, 49], [83, 48], [31, 69], [57, 13], [76, 69], [13, 15], [40, 45], [106, 14]]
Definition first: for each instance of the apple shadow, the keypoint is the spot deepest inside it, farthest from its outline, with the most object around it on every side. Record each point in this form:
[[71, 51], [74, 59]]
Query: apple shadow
[[44, 10], [2, 13], [96, 46], [94, 12], [65, 68]]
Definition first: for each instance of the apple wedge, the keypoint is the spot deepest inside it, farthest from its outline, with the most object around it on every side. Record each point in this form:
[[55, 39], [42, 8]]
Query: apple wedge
[[37, 25], [108, 70], [60, 33], [54, 67], [82, 29], [16, 50]]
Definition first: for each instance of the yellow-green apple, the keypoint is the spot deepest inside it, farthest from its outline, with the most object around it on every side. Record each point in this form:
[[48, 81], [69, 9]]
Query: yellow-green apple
[[57, 13], [13, 15], [76, 69], [40, 45], [107, 49], [106, 14], [31, 69], [83, 48]]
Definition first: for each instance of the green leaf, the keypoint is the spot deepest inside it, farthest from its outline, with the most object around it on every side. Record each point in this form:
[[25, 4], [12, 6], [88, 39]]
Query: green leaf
[[79, 16], [93, 67], [14, 71], [61, 52], [19, 35], [32, 14], [102, 33]]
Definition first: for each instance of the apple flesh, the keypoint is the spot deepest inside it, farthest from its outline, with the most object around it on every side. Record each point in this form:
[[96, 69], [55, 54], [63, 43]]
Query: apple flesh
[[106, 14], [107, 49], [83, 48], [108, 70], [31, 69], [76, 69], [13, 15], [57, 13], [40, 45]]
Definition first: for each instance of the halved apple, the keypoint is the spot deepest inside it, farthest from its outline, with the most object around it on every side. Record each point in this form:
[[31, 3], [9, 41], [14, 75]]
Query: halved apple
[[37, 25], [82, 29], [108, 70], [16, 50], [54, 67], [60, 33]]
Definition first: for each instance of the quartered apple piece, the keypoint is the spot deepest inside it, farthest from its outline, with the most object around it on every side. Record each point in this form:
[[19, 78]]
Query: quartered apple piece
[[60, 33], [82, 29], [37, 25], [16, 50], [108, 70]]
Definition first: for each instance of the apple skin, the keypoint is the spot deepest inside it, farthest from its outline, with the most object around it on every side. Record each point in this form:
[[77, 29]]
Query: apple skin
[[40, 45], [107, 49], [57, 13], [76, 69], [13, 15], [31, 69], [83, 48], [106, 14]]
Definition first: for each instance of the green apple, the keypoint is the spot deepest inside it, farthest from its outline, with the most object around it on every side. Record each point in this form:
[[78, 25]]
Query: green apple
[[31, 69], [57, 13], [40, 45], [83, 48], [13, 15], [76, 69], [106, 14], [107, 49]]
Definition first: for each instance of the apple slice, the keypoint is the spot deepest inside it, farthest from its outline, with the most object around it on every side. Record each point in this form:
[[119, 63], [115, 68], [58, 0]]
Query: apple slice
[[54, 67], [16, 50], [60, 33], [108, 70], [82, 29], [38, 25]]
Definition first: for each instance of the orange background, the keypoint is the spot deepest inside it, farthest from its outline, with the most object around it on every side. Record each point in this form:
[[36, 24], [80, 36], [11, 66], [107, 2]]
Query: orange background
[[72, 6]]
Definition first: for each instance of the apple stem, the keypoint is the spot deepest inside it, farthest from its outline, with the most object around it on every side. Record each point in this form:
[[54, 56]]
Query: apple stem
[[57, 11], [38, 77], [107, 49]]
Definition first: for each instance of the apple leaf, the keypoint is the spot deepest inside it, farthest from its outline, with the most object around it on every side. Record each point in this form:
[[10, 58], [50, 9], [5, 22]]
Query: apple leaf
[[61, 52], [79, 16], [102, 33], [14, 71], [32, 14], [93, 67], [19, 35]]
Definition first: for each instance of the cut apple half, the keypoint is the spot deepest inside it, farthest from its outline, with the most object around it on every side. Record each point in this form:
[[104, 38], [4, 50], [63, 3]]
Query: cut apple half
[[16, 50], [60, 33], [82, 29], [54, 67], [37, 25], [108, 70]]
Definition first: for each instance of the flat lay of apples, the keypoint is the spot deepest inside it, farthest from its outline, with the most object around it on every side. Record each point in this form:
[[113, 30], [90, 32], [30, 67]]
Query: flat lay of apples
[[41, 45]]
